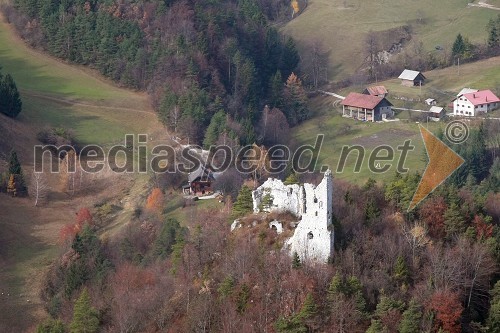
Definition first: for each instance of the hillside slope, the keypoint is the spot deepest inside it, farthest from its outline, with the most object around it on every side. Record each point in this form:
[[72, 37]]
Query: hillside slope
[[55, 94], [443, 84], [342, 26]]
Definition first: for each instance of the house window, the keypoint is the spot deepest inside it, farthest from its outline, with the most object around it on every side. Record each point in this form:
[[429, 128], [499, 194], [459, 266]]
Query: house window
[[291, 190], [316, 213], [315, 200]]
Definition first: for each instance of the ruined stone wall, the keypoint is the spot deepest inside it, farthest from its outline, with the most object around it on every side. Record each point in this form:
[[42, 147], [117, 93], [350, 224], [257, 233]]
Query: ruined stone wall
[[313, 237]]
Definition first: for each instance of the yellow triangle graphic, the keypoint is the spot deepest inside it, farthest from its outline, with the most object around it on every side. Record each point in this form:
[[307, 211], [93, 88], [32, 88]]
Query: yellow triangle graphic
[[443, 161]]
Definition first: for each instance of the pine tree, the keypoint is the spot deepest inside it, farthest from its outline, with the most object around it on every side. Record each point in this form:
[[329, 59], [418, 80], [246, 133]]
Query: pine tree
[[215, 129], [14, 165], [16, 185], [454, 222], [494, 313], [296, 100], [290, 58], [411, 318], [85, 317], [276, 86], [266, 202], [50, 326], [458, 46], [296, 263], [335, 287], [401, 270], [291, 179], [244, 202], [376, 327], [309, 308], [10, 100]]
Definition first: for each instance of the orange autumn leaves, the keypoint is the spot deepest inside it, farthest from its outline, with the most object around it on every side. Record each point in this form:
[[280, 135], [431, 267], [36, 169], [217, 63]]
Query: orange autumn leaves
[[155, 201], [69, 231]]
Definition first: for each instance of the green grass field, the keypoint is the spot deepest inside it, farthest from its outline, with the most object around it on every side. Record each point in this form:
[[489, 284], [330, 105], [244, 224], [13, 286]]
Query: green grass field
[[55, 94], [368, 135], [342, 26], [442, 85], [59, 95]]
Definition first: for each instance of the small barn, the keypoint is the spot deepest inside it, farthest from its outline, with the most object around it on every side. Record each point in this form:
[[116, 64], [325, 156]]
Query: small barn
[[411, 78], [430, 101], [379, 91], [366, 107], [436, 113]]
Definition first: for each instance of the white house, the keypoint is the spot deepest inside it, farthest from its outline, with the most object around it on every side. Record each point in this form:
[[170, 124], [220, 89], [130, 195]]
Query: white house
[[469, 104]]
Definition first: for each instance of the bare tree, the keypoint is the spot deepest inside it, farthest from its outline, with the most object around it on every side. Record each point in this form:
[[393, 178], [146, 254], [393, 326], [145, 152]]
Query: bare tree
[[372, 49], [416, 236], [316, 62], [175, 116], [39, 187]]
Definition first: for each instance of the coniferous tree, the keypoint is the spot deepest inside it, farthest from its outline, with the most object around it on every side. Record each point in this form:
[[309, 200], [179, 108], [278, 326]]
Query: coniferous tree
[[401, 272], [276, 90], [411, 318], [291, 179], [296, 100], [494, 313], [16, 184], [216, 128], [296, 263], [85, 317], [50, 326], [10, 100], [14, 165], [244, 202], [458, 46], [454, 221]]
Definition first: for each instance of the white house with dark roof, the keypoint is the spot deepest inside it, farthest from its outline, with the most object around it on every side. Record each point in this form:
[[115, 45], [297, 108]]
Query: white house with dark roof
[[471, 103]]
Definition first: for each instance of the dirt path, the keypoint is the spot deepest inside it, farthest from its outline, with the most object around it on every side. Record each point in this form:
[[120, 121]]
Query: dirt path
[[482, 4], [69, 102]]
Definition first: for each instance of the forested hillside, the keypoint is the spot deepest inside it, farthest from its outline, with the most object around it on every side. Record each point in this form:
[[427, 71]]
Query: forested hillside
[[195, 58], [433, 269]]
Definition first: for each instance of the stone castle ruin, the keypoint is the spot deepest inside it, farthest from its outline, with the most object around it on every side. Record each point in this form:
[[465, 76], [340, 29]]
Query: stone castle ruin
[[313, 236]]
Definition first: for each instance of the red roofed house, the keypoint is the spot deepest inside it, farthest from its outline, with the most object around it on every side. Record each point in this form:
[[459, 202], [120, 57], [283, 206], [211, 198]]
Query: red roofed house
[[472, 103], [366, 107], [379, 91]]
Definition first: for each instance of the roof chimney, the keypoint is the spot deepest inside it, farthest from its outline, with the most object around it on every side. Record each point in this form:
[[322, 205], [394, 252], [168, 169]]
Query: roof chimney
[[474, 95]]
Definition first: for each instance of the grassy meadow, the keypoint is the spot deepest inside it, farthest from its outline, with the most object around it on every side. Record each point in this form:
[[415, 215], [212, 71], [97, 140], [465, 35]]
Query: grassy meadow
[[59, 95], [56, 94], [443, 85], [342, 26]]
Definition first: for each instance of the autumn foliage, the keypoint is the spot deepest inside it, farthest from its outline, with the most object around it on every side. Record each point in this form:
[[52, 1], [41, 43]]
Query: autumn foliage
[[448, 310], [69, 231], [432, 213], [155, 200]]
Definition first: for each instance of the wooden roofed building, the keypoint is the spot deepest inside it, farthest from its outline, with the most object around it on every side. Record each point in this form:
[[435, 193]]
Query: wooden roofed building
[[411, 78], [200, 181], [379, 91], [366, 107]]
